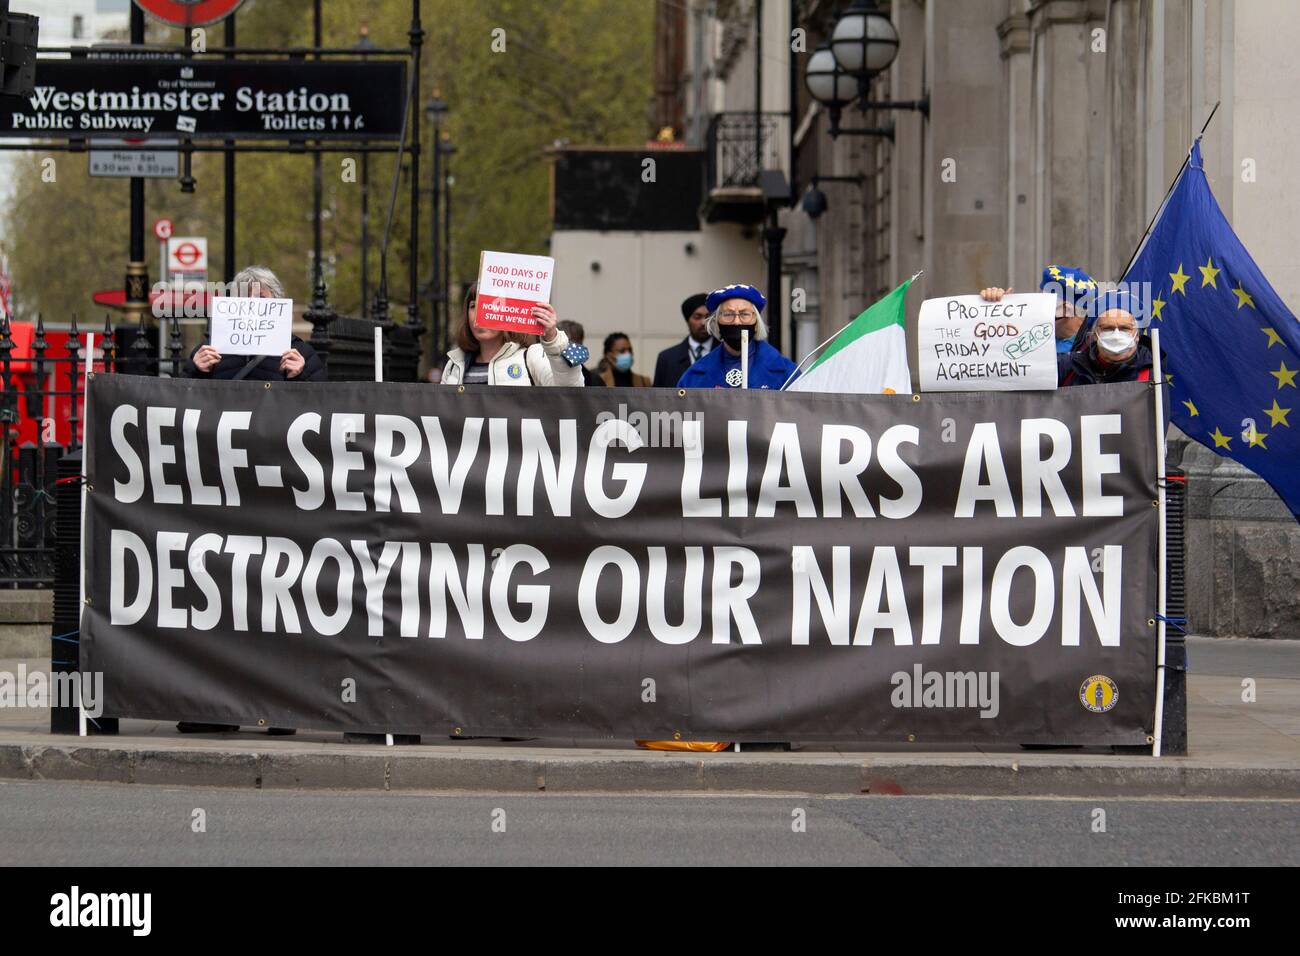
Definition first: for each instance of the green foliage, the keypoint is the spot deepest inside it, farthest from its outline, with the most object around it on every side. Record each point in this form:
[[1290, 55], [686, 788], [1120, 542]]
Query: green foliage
[[572, 70]]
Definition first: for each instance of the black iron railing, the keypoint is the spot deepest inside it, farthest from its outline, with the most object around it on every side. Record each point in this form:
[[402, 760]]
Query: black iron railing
[[741, 145], [42, 371]]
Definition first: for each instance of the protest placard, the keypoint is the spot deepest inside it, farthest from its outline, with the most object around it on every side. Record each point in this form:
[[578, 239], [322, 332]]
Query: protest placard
[[509, 285], [968, 344], [251, 326]]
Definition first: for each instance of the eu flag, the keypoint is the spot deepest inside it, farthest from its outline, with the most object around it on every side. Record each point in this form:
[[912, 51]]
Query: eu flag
[[1232, 345]]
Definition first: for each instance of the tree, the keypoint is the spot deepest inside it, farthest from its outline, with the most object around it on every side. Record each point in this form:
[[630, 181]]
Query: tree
[[518, 76]]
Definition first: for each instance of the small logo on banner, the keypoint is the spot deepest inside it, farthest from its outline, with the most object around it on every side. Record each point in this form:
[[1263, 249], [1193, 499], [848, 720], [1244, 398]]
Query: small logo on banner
[[1099, 694], [733, 378], [515, 370]]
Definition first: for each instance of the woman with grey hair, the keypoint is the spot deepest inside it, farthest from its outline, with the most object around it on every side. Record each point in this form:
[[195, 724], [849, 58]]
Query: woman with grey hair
[[299, 364], [733, 310]]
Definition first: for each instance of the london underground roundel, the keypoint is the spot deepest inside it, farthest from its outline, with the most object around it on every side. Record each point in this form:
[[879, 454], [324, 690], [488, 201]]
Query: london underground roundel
[[189, 13]]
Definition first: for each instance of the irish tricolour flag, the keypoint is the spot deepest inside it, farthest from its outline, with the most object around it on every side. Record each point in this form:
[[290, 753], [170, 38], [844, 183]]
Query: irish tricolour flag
[[868, 356]]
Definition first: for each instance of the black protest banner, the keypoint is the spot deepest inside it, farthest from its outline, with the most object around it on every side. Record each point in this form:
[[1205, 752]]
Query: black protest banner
[[624, 563]]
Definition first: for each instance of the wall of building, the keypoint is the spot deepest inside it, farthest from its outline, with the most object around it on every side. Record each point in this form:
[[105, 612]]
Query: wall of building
[[642, 279]]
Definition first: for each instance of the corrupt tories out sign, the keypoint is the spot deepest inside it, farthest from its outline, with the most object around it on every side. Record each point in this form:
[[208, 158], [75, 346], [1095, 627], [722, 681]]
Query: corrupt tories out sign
[[719, 565]]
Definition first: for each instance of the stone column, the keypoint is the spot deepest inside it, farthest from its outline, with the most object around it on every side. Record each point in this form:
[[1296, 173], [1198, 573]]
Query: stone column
[[966, 209], [1062, 121], [1023, 268]]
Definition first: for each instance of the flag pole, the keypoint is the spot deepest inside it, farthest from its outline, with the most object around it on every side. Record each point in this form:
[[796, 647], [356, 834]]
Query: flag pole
[[799, 368], [1158, 381], [1168, 192]]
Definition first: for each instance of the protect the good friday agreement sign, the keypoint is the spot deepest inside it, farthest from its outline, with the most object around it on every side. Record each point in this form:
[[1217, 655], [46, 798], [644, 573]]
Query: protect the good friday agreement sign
[[249, 325], [509, 285], [967, 344], [724, 565]]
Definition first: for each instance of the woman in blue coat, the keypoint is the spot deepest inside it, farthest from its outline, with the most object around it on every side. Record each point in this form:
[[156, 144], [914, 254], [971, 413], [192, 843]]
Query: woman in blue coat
[[734, 309]]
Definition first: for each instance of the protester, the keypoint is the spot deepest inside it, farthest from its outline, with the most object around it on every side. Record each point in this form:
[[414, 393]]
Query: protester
[[577, 335], [1073, 288], [299, 364], [734, 309], [1111, 351], [616, 367], [485, 356], [676, 359]]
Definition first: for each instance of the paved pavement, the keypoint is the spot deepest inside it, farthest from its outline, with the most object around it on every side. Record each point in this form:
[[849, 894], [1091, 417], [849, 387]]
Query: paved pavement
[[1237, 749], [53, 823]]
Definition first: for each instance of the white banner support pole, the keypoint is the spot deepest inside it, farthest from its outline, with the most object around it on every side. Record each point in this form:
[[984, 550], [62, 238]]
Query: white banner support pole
[[1158, 380], [85, 431]]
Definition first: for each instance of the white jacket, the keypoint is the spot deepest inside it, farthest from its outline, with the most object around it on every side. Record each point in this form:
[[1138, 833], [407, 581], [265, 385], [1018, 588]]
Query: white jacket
[[539, 364]]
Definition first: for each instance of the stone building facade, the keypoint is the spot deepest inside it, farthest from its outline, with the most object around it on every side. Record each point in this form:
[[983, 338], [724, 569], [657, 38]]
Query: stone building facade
[[1054, 129]]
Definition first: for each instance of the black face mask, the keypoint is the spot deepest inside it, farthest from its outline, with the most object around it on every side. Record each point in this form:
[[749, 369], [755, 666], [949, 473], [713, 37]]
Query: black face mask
[[731, 334]]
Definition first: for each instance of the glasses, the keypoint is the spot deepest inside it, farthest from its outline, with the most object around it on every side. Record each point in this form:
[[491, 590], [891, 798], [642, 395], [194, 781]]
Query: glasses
[[735, 316]]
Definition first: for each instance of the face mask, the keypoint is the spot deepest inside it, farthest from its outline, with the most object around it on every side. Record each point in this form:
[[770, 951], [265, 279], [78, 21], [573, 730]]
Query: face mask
[[623, 361], [1065, 345], [1116, 341], [731, 334]]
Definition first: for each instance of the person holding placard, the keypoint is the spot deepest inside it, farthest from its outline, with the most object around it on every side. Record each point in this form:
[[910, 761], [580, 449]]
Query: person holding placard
[[1112, 351], [1073, 289], [734, 310], [298, 363], [484, 356]]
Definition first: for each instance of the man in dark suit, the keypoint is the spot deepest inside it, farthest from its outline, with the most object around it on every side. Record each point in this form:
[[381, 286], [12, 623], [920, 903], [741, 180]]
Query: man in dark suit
[[676, 359]]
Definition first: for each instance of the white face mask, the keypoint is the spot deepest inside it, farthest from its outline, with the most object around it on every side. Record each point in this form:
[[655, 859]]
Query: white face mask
[[1116, 341]]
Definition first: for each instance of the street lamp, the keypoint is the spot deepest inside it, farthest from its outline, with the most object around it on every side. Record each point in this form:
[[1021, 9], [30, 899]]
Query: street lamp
[[864, 42], [435, 110], [446, 149], [827, 81], [832, 86]]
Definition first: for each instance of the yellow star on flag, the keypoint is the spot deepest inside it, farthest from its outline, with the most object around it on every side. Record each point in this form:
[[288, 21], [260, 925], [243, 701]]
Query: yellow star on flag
[[1243, 297], [1257, 438], [1180, 279], [1277, 414], [1284, 376], [1056, 273], [1273, 337], [1208, 272], [1221, 440], [1192, 408], [1156, 306]]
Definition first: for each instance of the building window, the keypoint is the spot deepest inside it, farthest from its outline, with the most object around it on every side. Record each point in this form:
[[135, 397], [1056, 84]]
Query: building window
[[78, 26]]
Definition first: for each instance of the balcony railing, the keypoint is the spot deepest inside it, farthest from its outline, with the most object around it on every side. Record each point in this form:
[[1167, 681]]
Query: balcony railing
[[740, 145]]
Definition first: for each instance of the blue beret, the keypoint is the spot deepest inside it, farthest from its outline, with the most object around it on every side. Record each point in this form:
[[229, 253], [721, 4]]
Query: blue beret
[[737, 291], [1067, 282], [1117, 299]]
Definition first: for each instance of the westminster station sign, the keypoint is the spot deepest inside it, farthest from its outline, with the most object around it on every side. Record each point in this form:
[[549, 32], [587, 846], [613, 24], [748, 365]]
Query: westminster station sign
[[211, 99]]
